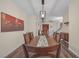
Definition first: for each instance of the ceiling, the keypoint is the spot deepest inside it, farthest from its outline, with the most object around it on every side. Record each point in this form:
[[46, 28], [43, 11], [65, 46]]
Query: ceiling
[[52, 7]]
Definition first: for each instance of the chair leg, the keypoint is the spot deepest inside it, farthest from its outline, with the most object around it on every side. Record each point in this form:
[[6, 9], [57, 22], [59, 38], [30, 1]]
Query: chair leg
[[58, 51], [25, 51]]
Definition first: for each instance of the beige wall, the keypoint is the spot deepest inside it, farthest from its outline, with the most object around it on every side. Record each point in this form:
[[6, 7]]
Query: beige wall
[[32, 25], [9, 41], [74, 26], [65, 27]]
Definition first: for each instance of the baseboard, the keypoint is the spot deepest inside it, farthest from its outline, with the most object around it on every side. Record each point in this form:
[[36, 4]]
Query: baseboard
[[17, 53], [73, 53], [70, 52]]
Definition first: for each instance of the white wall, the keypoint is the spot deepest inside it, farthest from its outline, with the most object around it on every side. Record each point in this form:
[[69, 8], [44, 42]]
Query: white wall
[[65, 27], [32, 24], [74, 26], [9, 41]]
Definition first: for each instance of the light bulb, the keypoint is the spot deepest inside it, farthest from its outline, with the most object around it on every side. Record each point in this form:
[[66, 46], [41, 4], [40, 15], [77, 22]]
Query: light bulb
[[42, 15]]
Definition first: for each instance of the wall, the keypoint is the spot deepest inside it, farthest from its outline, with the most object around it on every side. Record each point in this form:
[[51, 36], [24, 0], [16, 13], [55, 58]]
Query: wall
[[65, 27], [32, 24], [74, 26], [9, 41]]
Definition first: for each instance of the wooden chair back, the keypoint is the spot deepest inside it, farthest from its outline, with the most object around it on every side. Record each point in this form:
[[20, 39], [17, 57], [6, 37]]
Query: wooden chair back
[[31, 36], [65, 36], [28, 37], [56, 36], [52, 51]]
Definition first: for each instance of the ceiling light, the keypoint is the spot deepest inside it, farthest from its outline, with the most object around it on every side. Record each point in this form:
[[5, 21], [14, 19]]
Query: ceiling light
[[43, 14]]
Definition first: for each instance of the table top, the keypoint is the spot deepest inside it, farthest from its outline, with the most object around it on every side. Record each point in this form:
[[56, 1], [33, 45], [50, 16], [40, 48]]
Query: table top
[[42, 42], [51, 42]]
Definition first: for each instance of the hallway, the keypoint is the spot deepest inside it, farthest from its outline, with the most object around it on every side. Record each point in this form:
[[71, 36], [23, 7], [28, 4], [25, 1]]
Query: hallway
[[43, 27]]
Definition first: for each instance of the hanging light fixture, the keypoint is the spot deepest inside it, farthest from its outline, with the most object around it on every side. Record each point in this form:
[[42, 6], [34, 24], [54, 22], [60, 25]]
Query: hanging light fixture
[[43, 12]]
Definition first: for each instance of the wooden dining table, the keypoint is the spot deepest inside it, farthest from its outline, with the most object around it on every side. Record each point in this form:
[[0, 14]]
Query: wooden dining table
[[51, 42]]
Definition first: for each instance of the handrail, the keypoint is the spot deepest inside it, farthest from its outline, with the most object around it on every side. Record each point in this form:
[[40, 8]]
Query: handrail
[[58, 28]]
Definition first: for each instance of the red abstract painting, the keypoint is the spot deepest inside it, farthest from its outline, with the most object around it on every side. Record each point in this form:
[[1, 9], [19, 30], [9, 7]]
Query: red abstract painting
[[19, 24], [11, 23]]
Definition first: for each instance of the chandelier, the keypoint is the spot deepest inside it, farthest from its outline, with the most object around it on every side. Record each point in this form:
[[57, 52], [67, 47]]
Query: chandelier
[[43, 12]]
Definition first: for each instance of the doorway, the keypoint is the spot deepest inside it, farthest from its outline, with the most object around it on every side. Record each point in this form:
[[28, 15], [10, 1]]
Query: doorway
[[45, 29]]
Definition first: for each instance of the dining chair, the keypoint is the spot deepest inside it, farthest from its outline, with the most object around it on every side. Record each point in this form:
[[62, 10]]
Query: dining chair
[[31, 36], [51, 51], [26, 38], [64, 36], [57, 37]]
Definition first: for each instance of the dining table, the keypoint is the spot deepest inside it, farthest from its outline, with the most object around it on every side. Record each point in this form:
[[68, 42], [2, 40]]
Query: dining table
[[42, 41]]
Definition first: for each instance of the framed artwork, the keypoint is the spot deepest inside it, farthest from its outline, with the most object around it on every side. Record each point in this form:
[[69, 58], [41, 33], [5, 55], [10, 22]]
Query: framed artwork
[[19, 24], [11, 23]]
